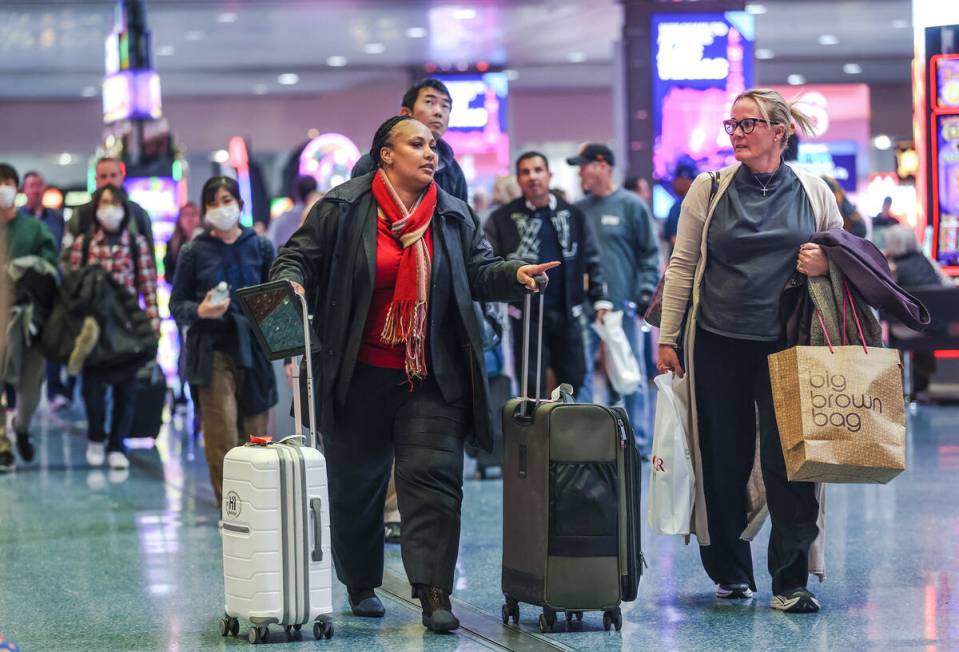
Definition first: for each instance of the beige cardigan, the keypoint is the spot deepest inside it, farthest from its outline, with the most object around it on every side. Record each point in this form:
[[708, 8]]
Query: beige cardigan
[[684, 278]]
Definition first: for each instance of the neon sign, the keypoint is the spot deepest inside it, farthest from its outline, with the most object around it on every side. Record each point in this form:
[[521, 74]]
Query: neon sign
[[240, 161], [702, 62], [682, 51], [328, 158], [131, 95], [478, 127]]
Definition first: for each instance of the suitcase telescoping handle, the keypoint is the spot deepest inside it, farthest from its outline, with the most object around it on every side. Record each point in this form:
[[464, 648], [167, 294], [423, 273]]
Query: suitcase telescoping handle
[[541, 281], [297, 408]]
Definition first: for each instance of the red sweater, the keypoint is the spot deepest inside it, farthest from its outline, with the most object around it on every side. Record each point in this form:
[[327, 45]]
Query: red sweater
[[373, 351]]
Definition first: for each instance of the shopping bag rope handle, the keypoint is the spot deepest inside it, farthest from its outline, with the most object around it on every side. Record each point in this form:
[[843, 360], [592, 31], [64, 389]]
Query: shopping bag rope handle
[[824, 331], [847, 295]]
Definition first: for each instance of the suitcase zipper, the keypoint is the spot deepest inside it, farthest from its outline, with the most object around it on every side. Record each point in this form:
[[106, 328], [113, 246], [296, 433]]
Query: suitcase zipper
[[622, 432], [634, 562]]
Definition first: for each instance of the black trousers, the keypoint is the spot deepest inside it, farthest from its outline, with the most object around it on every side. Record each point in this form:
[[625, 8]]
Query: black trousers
[[732, 387], [55, 386], [382, 417], [563, 350], [94, 392]]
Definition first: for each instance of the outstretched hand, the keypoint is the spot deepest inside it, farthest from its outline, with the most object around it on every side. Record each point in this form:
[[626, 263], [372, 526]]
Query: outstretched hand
[[526, 275]]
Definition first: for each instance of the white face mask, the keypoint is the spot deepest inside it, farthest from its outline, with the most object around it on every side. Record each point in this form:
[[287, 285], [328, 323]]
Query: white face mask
[[110, 217], [8, 196], [223, 218]]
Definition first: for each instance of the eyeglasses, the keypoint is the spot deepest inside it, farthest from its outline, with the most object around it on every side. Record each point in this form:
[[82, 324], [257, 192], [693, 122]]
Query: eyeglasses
[[748, 125]]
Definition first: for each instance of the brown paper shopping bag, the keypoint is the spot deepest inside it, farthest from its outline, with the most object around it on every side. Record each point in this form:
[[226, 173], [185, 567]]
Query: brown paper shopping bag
[[840, 410]]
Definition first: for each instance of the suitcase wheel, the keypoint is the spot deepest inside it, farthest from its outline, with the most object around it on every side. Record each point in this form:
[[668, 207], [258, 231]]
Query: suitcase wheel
[[259, 634], [229, 626], [510, 610], [547, 621], [613, 618], [322, 629]]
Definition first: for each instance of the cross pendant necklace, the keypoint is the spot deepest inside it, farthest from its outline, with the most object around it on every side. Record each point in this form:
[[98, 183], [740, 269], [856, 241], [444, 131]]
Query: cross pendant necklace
[[765, 187]]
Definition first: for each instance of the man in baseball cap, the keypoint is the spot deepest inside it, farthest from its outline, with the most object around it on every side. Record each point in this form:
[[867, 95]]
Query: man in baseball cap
[[629, 255], [593, 152]]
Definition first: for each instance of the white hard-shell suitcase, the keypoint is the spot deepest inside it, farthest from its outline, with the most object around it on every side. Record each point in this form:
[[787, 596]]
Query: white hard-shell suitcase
[[276, 517]]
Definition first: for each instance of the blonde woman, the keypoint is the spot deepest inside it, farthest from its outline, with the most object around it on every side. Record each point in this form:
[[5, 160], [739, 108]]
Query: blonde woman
[[739, 242]]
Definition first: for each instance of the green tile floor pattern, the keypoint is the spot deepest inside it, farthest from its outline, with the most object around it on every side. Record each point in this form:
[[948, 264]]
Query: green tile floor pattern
[[92, 561]]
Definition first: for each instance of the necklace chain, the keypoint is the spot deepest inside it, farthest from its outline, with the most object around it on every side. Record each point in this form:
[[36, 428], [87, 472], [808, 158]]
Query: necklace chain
[[769, 181]]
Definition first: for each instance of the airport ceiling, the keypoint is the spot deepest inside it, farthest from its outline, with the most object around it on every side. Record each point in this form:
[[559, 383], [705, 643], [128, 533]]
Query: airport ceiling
[[238, 47]]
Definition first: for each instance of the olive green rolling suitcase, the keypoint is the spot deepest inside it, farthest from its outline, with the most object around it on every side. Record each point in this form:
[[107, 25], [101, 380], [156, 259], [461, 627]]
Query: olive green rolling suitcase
[[571, 489]]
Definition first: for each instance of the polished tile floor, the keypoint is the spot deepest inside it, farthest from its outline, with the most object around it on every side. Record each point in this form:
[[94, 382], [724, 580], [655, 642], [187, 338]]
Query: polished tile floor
[[96, 561]]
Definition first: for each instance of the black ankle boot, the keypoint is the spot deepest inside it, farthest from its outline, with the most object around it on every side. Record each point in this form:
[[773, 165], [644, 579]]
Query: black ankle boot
[[25, 447], [365, 604], [437, 610]]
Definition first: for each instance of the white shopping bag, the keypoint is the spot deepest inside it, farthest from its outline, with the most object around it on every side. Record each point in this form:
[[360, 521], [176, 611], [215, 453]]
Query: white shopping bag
[[672, 483], [621, 366]]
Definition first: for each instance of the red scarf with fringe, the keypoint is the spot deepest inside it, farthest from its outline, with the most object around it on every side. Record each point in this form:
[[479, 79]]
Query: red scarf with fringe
[[406, 317]]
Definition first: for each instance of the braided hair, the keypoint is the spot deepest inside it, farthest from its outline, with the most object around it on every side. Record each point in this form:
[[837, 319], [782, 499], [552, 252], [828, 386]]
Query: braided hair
[[382, 137]]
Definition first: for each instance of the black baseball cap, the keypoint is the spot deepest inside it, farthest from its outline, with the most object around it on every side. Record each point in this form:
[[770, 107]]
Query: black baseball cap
[[592, 152]]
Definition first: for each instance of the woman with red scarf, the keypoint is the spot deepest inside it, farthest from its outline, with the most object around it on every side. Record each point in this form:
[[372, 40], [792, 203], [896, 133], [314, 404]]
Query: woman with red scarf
[[391, 264]]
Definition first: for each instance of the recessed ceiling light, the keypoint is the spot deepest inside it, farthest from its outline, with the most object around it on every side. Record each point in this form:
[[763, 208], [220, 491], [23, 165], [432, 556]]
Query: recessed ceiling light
[[464, 13], [576, 57], [227, 17], [194, 35], [795, 80], [65, 159], [166, 51], [511, 74], [416, 32], [765, 53], [220, 156], [288, 79], [336, 61], [828, 39], [900, 23], [756, 9], [261, 89], [374, 48], [89, 91], [852, 69], [882, 142]]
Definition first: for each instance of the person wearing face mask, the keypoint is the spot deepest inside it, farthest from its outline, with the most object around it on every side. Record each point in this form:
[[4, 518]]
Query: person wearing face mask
[[391, 264], [109, 171], [25, 237], [129, 261], [228, 373]]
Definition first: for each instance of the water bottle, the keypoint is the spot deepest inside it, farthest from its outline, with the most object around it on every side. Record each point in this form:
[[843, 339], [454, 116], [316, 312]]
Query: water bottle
[[220, 293]]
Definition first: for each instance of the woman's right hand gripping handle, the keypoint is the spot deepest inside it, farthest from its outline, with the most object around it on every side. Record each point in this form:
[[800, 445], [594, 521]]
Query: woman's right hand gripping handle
[[669, 360]]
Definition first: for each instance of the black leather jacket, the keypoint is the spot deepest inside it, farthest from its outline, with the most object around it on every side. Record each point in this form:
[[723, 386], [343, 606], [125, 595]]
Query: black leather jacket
[[333, 255]]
